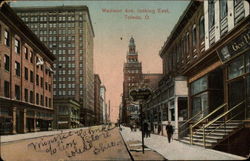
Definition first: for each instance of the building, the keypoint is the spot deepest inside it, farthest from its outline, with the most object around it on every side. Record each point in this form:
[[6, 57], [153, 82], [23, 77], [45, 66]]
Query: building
[[97, 99], [103, 104], [68, 32], [68, 114], [208, 51], [26, 77], [134, 79], [132, 71]]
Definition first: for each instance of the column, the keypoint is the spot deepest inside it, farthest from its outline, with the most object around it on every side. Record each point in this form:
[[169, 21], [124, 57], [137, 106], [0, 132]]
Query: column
[[24, 130], [14, 120], [34, 121]]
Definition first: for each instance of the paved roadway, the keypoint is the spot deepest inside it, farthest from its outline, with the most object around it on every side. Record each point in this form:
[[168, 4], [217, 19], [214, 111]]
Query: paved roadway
[[95, 143]]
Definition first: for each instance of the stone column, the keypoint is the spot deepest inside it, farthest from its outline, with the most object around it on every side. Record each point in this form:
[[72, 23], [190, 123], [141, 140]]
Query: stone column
[[24, 130], [14, 120]]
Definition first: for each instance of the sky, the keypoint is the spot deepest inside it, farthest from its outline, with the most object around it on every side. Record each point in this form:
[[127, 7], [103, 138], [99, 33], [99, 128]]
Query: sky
[[148, 22]]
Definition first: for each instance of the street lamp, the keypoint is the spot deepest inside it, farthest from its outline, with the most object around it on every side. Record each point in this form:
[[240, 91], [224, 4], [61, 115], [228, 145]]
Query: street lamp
[[141, 95]]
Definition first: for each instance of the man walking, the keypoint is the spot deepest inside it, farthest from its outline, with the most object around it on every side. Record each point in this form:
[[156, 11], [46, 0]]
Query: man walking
[[170, 131]]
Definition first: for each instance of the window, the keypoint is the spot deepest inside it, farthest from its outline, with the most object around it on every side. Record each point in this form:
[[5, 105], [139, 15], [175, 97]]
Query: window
[[194, 36], [31, 57], [17, 92], [17, 68], [41, 82], [199, 85], [6, 38], [17, 46], [31, 97], [37, 98], [50, 102], [31, 76], [37, 80], [26, 95], [236, 68], [202, 28], [42, 100], [248, 62], [6, 89], [26, 53], [223, 9], [7, 62], [46, 101], [46, 85], [211, 14], [26, 73]]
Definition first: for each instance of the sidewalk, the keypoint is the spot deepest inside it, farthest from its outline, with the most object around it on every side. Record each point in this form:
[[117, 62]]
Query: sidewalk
[[177, 150]]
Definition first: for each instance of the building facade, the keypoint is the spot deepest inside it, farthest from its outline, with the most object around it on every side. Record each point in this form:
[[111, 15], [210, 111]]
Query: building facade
[[97, 99], [68, 32], [103, 104], [26, 77], [67, 114], [209, 50], [132, 75]]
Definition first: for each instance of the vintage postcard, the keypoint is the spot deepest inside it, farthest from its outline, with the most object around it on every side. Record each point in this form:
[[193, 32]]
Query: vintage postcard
[[124, 80]]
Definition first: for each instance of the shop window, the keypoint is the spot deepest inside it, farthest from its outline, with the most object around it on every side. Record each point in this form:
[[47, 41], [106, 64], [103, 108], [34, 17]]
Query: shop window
[[199, 85], [236, 68], [17, 92], [7, 62], [6, 89], [200, 103]]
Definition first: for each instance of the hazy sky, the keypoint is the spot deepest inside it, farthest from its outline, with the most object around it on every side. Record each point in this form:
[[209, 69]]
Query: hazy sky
[[113, 31]]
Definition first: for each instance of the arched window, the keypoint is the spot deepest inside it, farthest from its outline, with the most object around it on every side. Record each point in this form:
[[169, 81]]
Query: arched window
[[194, 36]]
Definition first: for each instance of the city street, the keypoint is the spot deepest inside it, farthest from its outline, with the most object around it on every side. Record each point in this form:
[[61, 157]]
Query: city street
[[177, 150]]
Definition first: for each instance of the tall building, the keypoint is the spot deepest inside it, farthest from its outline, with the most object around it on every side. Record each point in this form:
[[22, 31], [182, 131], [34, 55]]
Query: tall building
[[97, 99], [132, 75], [133, 79], [103, 104], [68, 32], [26, 77]]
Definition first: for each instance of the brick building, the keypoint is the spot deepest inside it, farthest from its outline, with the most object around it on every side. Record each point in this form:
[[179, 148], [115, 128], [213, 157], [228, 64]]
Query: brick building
[[97, 99], [68, 32], [26, 77]]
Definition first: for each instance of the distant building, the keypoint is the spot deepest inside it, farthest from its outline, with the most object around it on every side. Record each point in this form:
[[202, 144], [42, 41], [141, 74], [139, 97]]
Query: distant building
[[134, 79], [26, 77], [68, 114], [68, 32], [103, 104]]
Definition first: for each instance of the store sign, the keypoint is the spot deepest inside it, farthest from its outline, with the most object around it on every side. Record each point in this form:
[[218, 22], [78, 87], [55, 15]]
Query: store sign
[[235, 47], [140, 94]]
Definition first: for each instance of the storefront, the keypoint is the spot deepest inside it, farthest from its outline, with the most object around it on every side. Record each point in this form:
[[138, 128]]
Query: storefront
[[235, 55]]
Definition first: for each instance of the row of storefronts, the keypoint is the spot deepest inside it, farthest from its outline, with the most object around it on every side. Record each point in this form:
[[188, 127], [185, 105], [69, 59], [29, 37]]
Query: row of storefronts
[[215, 72]]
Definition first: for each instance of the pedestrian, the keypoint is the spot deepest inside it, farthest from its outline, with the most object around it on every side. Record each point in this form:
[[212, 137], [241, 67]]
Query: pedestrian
[[159, 129], [149, 130], [170, 131], [145, 128], [131, 127]]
